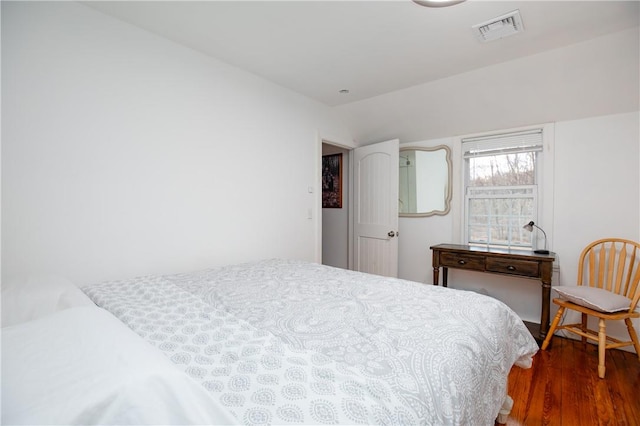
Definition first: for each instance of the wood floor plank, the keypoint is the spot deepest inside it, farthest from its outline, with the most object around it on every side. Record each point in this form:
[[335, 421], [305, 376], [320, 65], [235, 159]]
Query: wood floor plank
[[553, 387], [563, 389], [624, 387]]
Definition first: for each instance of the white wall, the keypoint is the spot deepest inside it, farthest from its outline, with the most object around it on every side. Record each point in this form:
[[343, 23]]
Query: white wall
[[589, 79], [125, 154], [589, 90], [417, 234], [596, 195]]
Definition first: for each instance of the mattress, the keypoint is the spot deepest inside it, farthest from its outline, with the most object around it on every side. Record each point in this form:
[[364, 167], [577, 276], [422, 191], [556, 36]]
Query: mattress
[[292, 342]]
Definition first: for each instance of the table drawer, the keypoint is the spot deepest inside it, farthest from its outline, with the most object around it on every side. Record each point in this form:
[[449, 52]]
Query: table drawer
[[462, 261], [515, 267]]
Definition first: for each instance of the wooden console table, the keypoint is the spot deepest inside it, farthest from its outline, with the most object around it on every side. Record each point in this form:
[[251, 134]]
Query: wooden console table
[[499, 261]]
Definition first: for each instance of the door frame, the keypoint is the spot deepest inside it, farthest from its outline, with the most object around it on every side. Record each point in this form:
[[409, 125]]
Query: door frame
[[349, 202], [320, 140]]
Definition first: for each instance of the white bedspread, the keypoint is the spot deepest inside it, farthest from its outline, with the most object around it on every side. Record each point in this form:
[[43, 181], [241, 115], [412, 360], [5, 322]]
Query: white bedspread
[[287, 341], [82, 366]]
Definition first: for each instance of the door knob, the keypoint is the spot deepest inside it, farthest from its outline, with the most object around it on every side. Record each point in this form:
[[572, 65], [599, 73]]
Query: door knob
[[391, 234]]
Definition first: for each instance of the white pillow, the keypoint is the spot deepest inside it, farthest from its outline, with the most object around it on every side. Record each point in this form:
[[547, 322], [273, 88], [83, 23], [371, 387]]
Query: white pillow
[[593, 298], [35, 296], [83, 366]]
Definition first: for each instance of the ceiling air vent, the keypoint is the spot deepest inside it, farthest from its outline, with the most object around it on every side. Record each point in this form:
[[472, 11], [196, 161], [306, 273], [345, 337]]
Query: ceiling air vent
[[502, 26]]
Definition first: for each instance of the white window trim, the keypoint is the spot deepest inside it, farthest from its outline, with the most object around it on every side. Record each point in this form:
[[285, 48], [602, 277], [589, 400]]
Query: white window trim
[[546, 183]]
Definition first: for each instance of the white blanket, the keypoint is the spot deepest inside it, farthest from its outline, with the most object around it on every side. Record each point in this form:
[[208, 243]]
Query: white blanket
[[82, 366], [287, 341]]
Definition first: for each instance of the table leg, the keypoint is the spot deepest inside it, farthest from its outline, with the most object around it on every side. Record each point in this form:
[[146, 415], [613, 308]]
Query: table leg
[[544, 315], [445, 276], [436, 275], [546, 273]]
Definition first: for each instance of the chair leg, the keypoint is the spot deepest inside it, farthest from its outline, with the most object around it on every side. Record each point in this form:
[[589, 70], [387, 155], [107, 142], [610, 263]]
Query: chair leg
[[584, 328], [602, 343], [633, 335], [552, 329]]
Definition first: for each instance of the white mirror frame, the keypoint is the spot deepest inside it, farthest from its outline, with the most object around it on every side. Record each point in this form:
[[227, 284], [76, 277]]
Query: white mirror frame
[[447, 200]]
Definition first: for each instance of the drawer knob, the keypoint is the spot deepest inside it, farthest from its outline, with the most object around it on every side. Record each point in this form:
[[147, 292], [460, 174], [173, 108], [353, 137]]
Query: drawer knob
[[461, 262], [511, 268]]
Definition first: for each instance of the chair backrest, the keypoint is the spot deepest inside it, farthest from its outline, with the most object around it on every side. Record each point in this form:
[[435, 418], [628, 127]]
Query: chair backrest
[[612, 264]]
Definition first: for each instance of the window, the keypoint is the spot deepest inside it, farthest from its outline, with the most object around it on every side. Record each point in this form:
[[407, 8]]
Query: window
[[502, 188]]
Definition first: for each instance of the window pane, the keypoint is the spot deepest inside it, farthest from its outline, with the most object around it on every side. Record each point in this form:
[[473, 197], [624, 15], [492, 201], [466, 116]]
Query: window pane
[[503, 169], [499, 221], [478, 234]]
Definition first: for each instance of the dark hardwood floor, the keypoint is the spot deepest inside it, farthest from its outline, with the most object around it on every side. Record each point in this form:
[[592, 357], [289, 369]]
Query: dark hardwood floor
[[562, 388]]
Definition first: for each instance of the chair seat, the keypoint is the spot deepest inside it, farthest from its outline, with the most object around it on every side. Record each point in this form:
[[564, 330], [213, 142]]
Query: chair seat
[[589, 311], [596, 298]]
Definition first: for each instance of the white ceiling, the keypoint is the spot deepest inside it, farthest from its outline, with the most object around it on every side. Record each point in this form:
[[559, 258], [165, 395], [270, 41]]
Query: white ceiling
[[317, 48]]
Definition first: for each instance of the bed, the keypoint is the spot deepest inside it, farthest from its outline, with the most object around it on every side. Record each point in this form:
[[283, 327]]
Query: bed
[[291, 342]]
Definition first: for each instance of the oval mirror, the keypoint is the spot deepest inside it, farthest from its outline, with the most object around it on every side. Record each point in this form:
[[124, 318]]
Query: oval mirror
[[425, 181]]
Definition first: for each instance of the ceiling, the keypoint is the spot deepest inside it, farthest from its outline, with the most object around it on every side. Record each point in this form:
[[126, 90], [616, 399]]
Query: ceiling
[[318, 48]]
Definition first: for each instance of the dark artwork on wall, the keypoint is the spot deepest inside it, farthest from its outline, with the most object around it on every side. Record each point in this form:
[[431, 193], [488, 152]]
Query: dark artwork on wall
[[332, 181]]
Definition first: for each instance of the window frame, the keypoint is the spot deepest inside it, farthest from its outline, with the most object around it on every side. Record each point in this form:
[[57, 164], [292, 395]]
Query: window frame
[[544, 194]]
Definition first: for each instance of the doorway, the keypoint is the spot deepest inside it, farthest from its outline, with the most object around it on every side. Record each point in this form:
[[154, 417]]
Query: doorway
[[335, 220]]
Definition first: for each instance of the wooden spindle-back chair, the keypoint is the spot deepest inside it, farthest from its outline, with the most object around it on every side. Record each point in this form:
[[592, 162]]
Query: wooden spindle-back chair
[[608, 289]]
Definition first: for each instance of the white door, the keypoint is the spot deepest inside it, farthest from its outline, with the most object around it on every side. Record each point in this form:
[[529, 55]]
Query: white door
[[375, 208]]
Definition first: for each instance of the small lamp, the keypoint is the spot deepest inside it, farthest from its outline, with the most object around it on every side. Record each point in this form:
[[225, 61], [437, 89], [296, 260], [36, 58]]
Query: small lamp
[[529, 227]]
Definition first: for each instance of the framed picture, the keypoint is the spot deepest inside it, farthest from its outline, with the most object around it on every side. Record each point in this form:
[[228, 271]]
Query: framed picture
[[332, 181]]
